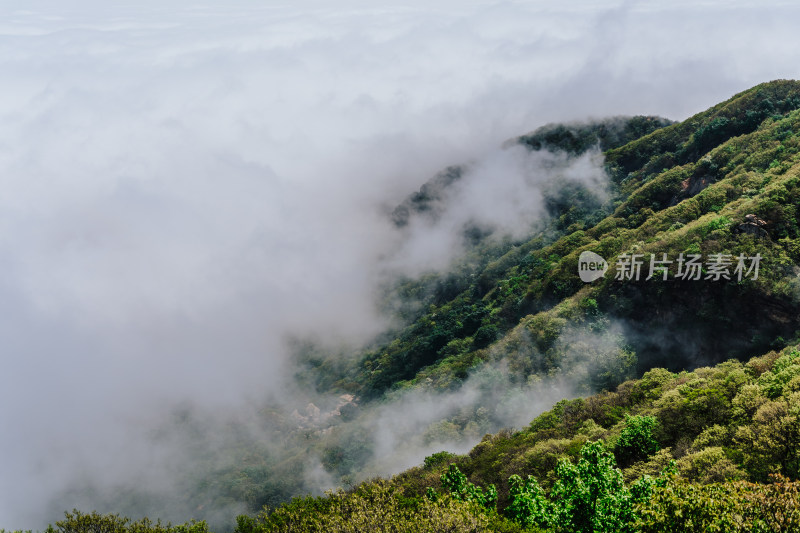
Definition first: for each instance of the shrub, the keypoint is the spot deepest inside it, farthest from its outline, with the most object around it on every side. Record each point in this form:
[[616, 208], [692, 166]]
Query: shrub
[[373, 506], [78, 522]]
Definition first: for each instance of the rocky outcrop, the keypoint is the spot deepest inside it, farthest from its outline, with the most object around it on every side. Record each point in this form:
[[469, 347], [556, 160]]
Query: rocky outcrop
[[313, 417], [753, 225]]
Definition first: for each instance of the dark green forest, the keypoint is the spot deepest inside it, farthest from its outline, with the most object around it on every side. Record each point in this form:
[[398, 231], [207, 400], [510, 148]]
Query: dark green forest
[[683, 407]]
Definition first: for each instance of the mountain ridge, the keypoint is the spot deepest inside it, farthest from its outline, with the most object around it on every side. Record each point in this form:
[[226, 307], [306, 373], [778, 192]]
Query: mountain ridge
[[656, 190]]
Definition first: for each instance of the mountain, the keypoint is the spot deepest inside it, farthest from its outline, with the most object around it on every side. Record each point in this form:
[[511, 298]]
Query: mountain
[[573, 139], [721, 186], [680, 348], [689, 188], [709, 450]]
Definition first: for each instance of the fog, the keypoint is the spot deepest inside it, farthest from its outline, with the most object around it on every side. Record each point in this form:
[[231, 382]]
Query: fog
[[186, 185], [500, 194]]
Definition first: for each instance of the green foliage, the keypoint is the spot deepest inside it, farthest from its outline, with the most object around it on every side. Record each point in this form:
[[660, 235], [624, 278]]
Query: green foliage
[[752, 436], [437, 458], [454, 482], [716, 224], [77, 522], [486, 335], [371, 507], [637, 441], [783, 371], [590, 495], [771, 442], [610, 368], [590, 307], [717, 420], [669, 177], [731, 507], [578, 138], [710, 464], [528, 505]]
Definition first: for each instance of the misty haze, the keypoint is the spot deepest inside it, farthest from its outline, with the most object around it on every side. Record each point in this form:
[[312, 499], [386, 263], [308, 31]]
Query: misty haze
[[259, 251]]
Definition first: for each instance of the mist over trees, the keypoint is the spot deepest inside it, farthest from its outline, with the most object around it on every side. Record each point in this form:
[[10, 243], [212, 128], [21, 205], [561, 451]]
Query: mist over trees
[[254, 253]]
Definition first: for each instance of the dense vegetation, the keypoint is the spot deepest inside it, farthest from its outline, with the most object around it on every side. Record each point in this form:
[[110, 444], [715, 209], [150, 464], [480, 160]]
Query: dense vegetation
[[705, 440], [685, 188], [715, 449]]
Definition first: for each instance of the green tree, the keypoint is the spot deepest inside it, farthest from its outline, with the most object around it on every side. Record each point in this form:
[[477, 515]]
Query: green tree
[[637, 441], [455, 482], [771, 442], [590, 495], [437, 458], [528, 504]]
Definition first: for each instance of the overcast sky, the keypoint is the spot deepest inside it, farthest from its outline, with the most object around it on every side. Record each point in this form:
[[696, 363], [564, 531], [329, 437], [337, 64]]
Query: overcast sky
[[184, 183]]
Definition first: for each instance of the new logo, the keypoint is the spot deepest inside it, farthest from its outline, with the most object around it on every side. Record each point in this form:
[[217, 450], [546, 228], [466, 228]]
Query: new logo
[[591, 266]]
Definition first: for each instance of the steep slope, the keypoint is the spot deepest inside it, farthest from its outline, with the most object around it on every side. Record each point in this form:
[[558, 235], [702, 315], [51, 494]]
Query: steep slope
[[687, 188], [715, 449], [512, 326], [573, 139], [712, 449]]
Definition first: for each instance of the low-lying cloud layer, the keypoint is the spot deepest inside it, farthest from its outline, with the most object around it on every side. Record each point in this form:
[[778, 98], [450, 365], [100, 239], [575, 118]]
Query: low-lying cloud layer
[[185, 186]]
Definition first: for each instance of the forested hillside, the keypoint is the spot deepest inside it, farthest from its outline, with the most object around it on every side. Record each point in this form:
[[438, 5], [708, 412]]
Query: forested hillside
[[687, 188], [715, 449], [681, 361], [722, 186]]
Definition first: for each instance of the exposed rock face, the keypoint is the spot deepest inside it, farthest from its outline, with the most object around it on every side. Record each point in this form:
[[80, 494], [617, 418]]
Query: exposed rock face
[[314, 417], [692, 186], [753, 225]]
